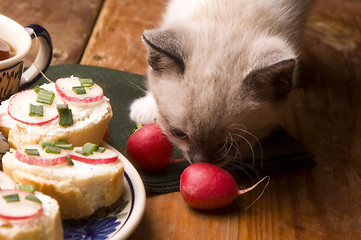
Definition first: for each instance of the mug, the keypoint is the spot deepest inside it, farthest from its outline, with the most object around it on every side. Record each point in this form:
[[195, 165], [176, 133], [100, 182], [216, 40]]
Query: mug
[[12, 74]]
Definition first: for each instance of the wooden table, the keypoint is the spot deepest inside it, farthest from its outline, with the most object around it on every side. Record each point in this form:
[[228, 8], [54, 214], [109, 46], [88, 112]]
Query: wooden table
[[324, 114]]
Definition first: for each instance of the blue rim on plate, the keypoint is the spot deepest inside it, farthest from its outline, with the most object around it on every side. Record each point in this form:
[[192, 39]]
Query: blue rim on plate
[[118, 221]]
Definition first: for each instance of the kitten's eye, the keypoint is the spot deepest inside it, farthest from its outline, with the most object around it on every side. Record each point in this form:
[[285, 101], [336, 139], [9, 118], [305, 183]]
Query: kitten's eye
[[178, 133]]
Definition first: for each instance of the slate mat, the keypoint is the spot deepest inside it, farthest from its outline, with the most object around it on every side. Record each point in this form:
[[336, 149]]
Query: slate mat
[[281, 153]]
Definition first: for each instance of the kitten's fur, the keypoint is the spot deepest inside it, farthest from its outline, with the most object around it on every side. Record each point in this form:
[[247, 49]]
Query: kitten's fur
[[220, 72]]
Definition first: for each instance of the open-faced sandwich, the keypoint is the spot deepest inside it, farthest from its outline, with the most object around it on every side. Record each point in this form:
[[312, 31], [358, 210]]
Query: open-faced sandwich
[[82, 179], [70, 109], [27, 214]]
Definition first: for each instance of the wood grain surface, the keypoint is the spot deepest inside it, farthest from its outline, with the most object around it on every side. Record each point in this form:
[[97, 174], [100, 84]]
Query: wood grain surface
[[324, 114]]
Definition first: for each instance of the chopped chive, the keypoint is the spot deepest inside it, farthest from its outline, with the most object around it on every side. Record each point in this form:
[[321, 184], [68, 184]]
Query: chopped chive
[[12, 198], [65, 115], [79, 89], [45, 144], [37, 88], [26, 187], [65, 146], [69, 161], [36, 110], [101, 149], [90, 148], [62, 141], [83, 153], [32, 151], [62, 106], [52, 149], [45, 96], [32, 198], [86, 82]]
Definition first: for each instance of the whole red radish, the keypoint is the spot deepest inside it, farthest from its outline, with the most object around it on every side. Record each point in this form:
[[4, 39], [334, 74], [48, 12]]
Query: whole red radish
[[206, 186], [149, 148]]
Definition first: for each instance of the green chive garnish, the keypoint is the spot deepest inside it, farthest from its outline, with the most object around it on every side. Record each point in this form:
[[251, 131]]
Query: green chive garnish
[[37, 88], [69, 161], [101, 149], [65, 115], [45, 144], [61, 141], [27, 188], [52, 149], [32, 152], [45, 97], [32, 198], [90, 148], [62, 107], [65, 146], [83, 153], [36, 110], [12, 198], [86, 82], [79, 89]]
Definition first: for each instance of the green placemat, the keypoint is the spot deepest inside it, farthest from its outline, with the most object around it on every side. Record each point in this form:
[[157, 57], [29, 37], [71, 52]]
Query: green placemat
[[280, 151]]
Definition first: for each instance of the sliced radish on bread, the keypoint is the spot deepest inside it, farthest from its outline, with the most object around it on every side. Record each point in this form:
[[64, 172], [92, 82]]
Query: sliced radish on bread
[[16, 205], [64, 86], [18, 108], [24, 154], [6, 182], [106, 157]]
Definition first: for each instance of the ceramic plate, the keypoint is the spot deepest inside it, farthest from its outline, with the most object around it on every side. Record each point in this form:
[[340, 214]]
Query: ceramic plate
[[118, 221]]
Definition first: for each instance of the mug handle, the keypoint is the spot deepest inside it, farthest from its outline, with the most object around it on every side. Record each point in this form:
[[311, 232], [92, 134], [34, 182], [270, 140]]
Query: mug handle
[[44, 56]]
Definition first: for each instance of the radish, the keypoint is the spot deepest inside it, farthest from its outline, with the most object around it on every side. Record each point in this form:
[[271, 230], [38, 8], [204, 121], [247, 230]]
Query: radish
[[149, 148], [16, 205], [106, 157], [6, 182], [18, 108], [206, 186], [44, 158], [64, 86]]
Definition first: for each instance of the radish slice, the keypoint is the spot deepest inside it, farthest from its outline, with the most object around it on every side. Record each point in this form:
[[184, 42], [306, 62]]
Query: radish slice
[[21, 209], [45, 159], [18, 108], [96, 158], [64, 87], [6, 182]]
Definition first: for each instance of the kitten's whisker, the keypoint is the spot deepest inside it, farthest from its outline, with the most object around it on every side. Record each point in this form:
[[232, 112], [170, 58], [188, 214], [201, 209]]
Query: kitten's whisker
[[235, 145], [258, 142], [250, 145]]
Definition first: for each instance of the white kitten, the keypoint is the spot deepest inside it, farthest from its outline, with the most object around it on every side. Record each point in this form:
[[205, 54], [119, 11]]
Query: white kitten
[[220, 73]]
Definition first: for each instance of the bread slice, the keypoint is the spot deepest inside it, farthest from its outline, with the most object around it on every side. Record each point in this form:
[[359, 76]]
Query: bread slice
[[80, 189], [90, 124], [45, 226]]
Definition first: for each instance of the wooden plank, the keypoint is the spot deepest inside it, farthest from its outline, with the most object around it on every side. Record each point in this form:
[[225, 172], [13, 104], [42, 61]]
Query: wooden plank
[[116, 39], [68, 22]]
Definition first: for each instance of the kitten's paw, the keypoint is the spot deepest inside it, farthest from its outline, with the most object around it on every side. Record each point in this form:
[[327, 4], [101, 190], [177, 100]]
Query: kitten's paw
[[144, 110]]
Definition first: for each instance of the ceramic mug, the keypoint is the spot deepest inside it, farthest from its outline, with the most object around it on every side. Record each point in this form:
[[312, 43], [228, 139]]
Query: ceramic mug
[[12, 74]]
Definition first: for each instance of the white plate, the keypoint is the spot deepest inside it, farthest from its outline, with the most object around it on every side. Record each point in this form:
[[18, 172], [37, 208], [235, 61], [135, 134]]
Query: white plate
[[119, 222]]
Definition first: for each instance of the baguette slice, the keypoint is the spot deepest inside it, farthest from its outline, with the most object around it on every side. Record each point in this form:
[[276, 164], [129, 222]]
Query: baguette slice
[[44, 226], [79, 189], [90, 124]]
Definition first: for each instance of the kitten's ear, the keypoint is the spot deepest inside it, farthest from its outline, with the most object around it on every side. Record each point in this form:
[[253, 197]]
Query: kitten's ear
[[165, 51], [273, 82]]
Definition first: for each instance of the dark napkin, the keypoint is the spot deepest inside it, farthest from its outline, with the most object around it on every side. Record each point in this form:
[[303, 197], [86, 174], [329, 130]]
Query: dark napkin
[[280, 153]]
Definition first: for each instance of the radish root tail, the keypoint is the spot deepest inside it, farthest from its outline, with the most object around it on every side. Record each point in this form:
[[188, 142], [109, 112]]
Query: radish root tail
[[243, 191]]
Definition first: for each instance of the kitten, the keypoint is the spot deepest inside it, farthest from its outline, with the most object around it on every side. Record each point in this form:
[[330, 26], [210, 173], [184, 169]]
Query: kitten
[[220, 73]]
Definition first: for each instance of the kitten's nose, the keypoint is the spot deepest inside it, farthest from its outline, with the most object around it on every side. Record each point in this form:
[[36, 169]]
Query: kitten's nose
[[197, 158]]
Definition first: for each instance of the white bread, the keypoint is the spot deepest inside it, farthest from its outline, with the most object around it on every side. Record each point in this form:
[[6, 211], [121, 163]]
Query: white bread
[[44, 226], [90, 124], [79, 189]]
